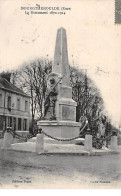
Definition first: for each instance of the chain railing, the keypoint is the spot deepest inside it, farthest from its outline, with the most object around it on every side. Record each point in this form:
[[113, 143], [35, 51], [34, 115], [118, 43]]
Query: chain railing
[[67, 139], [97, 142], [105, 138], [60, 139], [36, 131], [21, 137]]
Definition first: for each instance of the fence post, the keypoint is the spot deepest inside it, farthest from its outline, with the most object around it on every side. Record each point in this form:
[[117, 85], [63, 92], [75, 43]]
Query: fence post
[[104, 143], [8, 140], [88, 141], [114, 141], [40, 143]]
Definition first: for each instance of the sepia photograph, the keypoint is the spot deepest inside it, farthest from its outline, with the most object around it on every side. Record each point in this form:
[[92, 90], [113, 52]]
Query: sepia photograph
[[60, 94]]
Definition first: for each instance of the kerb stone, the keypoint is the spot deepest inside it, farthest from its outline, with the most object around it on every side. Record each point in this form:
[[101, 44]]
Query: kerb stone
[[88, 142], [39, 143], [8, 140], [114, 143]]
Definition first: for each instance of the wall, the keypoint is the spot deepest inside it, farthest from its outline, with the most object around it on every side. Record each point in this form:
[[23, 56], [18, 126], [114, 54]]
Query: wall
[[14, 112]]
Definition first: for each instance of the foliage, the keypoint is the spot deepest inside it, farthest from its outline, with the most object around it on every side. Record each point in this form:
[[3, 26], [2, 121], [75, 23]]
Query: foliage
[[32, 77], [88, 98]]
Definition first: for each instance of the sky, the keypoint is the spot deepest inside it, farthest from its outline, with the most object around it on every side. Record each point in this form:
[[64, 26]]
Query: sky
[[94, 41]]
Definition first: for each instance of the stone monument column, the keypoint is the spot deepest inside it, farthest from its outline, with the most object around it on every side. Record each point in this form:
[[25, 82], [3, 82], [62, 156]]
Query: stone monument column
[[66, 106], [64, 124], [61, 65]]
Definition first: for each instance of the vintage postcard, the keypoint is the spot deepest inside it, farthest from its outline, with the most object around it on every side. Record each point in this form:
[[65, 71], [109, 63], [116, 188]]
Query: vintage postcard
[[60, 94]]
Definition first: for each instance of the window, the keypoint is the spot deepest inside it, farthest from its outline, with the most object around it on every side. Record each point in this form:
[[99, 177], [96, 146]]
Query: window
[[1, 123], [18, 104], [14, 124], [26, 105], [25, 124], [9, 102], [0, 99], [9, 121], [19, 123]]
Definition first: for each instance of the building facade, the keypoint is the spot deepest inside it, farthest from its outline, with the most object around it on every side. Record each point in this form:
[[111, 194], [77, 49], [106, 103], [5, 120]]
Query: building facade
[[14, 107]]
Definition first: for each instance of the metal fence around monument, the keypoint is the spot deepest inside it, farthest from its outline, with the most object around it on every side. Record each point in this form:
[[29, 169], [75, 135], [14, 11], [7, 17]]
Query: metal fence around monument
[[97, 142]]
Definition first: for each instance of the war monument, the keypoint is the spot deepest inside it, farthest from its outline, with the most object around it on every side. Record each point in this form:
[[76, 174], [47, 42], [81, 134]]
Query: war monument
[[60, 108]]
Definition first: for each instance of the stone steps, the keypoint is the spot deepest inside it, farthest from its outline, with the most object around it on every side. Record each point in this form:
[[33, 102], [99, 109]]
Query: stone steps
[[61, 149], [52, 141], [51, 148], [25, 146]]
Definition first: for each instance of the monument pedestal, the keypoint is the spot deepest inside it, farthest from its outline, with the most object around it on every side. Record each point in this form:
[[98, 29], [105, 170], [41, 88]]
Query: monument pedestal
[[60, 129], [66, 110]]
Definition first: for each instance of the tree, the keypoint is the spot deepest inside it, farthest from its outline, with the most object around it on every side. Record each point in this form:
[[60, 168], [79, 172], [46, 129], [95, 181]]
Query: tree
[[87, 96], [31, 78]]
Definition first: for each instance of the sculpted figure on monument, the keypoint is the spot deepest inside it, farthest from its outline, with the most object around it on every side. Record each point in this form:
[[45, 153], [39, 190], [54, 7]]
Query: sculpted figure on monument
[[50, 100]]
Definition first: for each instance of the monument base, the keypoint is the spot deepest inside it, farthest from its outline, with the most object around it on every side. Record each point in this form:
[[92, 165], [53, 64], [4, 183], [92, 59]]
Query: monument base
[[60, 129]]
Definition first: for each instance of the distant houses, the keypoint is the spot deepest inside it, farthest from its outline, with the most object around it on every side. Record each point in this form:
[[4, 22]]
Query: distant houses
[[14, 106]]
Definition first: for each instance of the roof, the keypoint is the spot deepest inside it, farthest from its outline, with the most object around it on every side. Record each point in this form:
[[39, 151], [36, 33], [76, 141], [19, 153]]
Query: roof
[[6, 85]]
